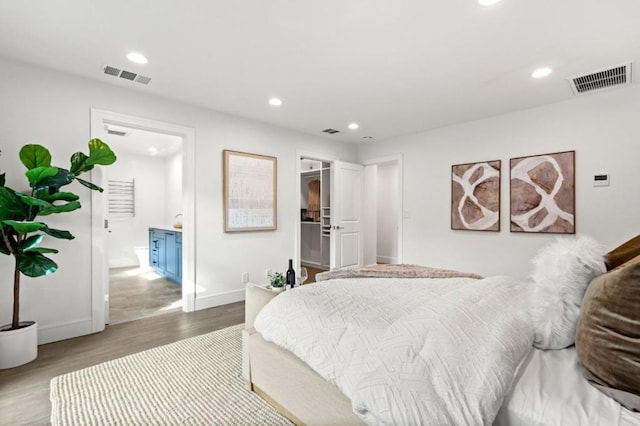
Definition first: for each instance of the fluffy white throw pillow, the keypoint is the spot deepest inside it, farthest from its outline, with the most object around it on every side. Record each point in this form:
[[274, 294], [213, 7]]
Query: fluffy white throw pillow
[[562, 272]]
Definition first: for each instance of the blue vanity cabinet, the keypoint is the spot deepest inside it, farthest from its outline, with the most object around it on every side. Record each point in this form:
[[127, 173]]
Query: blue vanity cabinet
[[179, 255], [172, 256], [165, 253], [157, 252]]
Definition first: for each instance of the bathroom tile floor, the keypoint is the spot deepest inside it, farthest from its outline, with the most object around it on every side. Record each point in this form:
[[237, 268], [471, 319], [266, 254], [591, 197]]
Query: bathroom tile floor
[[136, 293]]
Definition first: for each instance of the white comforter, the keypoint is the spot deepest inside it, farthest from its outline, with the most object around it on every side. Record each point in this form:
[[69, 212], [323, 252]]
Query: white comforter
[[412, 351]]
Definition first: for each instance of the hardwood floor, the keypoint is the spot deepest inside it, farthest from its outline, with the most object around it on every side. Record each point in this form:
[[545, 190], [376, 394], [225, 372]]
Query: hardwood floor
[[24, 391], [312, 272], [136, 293]]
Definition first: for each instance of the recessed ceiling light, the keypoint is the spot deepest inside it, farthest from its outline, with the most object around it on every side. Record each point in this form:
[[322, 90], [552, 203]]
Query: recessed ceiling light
[[137, 58], [488, 2], [275, 101], [353, 126], [541, 72], [153, 150]]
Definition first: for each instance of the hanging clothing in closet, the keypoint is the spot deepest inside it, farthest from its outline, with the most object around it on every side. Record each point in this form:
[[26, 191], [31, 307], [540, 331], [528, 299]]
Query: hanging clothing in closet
[[313, 207]]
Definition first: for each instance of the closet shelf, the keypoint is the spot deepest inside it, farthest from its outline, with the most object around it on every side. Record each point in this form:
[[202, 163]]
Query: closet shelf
[[310, 173], [310, 262]]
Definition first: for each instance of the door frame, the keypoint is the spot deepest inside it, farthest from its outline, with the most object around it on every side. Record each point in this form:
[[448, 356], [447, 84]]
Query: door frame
[[330, 159], [397, 158], [300, 154], [99, 263]]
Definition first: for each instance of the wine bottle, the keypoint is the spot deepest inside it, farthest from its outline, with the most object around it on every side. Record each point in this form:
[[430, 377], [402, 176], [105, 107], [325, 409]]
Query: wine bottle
[[291, 275]]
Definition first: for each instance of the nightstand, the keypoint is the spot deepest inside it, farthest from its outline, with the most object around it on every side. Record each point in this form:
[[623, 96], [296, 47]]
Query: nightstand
[[256, 297]]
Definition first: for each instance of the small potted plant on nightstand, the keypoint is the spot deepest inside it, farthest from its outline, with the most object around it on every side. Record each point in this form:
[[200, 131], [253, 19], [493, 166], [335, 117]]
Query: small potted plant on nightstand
[[22, 229], [277, 281]]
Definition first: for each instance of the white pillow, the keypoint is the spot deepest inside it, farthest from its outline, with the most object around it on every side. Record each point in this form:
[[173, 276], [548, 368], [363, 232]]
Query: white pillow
[[562, 272]]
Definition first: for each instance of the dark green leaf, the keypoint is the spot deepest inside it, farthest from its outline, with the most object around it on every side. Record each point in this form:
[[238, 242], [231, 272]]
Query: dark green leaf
[[63, 177], [79, 163], [9, 234], [31, 242], [89, 185], [58, 233], [24, 227], [2, 179], [59, 196], [30, 201], [37, 174], [11, 208], [33, 156], [43, 250], [34, 264], [60, 208]]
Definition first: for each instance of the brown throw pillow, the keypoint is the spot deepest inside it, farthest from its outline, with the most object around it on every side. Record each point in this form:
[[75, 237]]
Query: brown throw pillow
[[608, 333], [623, 253]]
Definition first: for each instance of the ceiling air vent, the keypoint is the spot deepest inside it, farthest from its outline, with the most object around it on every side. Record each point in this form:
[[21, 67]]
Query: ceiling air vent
[[112, 71], [603, 79], [127, 75], [331, 131], [142, 79]]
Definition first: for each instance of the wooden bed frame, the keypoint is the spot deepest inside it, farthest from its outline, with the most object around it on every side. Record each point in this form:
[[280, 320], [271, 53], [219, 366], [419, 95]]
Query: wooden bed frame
[[283, 380]]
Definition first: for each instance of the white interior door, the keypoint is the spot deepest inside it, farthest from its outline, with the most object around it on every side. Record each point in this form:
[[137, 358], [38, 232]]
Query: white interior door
[[347, 189]]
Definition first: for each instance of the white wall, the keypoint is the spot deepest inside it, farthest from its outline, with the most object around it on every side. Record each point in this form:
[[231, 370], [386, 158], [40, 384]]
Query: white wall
[[370, 231], [602, 128], [387, 217], [173, 176], [51, 108], [150, 184]]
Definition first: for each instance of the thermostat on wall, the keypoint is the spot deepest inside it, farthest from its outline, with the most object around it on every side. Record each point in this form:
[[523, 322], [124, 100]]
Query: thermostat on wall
[[601, 180]]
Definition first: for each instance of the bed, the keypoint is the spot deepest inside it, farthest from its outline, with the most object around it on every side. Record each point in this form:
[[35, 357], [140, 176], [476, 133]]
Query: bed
[[354, 350]]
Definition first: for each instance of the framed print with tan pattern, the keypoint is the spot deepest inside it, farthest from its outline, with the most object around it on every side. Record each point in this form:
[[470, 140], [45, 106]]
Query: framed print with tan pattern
[[475, 196], [543, 193]]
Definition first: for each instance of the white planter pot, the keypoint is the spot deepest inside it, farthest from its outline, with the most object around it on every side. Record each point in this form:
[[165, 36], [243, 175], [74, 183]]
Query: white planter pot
[[19, 346]]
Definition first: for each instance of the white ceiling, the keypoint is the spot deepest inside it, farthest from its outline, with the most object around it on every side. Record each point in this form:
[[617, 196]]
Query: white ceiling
[[142, 142], [395, 67]]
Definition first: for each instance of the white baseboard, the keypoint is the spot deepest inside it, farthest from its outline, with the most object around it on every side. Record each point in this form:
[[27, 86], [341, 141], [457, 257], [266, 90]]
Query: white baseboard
[[386, 259], [55, 332], [204, 301]]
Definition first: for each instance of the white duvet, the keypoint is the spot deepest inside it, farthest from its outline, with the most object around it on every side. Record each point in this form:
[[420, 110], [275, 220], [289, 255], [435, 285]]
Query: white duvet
[[437, 351]]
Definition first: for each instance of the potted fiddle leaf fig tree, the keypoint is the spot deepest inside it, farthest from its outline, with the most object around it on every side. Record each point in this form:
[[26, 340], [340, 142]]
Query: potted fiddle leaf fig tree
[[22, 229]]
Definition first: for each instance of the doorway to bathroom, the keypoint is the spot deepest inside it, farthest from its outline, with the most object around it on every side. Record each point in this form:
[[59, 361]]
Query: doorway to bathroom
[[102, 122], [144, 193]]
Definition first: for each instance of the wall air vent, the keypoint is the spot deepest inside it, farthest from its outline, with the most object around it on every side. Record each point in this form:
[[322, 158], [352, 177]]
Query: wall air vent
[[615, 76], [127, 75], [331, 131], [116, 132]]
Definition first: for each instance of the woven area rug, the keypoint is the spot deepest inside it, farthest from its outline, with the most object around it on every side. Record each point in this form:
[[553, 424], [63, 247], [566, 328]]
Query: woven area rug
[[196, 381]]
